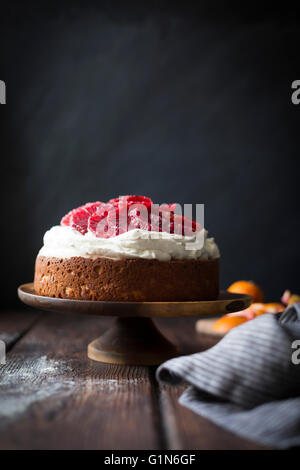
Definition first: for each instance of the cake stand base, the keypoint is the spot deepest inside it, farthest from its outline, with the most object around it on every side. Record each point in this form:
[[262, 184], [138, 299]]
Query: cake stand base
[[132, 341]]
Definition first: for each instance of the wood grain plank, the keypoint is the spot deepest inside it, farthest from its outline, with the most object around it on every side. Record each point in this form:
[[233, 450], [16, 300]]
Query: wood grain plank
[[54, 397], [184, 429], [14, 324]]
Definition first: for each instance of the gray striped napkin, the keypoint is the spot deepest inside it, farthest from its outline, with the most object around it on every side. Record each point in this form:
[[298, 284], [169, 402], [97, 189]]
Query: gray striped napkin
[[249, 382]]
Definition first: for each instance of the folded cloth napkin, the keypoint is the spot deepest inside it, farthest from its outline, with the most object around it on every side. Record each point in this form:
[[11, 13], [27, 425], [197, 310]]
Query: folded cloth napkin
[[249, 382]]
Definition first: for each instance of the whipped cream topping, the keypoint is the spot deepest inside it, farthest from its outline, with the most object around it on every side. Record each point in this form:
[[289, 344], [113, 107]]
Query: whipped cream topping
[[66, 242]]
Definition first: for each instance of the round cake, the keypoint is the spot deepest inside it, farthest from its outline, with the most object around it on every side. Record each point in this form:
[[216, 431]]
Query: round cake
[[155, 255]]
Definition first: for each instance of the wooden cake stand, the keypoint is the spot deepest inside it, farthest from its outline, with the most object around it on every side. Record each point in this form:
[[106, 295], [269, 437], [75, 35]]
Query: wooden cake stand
[[134, 338]]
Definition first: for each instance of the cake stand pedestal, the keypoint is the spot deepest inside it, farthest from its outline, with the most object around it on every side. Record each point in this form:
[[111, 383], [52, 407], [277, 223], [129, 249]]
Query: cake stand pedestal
[[134, 339]]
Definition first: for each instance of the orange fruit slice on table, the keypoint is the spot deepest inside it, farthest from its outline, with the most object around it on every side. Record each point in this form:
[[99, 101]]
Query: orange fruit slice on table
[[247, 287], [274, 307], [226, 323]]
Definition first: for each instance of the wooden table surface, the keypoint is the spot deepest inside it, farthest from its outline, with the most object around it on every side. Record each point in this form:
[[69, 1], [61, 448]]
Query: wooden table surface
[[53, 397]]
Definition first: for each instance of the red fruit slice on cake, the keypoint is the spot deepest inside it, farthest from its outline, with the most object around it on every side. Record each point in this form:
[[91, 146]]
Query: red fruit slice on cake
[[138, 217], [97, 222], [130, 212], [78, 218], [92, 207], [65, 221], [167, 213], [130, 200], [164, 219]]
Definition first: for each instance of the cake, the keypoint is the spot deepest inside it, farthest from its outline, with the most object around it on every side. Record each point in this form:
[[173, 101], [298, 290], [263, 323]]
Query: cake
[[127, 249]]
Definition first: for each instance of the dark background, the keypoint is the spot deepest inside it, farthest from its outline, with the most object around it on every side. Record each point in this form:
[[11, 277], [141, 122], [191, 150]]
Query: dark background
[[182, 104]]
